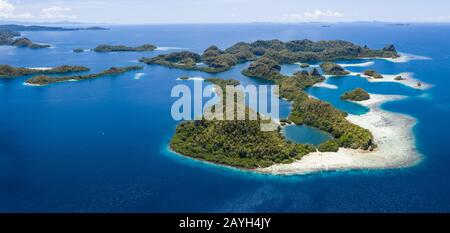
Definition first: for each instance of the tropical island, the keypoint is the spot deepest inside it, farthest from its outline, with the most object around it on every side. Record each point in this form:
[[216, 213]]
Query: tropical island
[[215, 60], [78, 50], [235, 143], [355, 138], [241, 143], [123, 48], [358, 94], [200, 139], [7, 71], [373, 74], [46, 80], [331, 68], [12, 38]]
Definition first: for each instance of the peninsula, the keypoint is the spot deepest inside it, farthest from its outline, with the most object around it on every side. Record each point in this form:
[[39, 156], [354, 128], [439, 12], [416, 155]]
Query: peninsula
[[7, 71], [46, 80]]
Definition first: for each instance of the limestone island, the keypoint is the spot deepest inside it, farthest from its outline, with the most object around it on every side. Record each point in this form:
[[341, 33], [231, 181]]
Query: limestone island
[[331, 68], [373, 74], [215, 60], [358, 94], [123, 48], [377, 139], [46, 80], [7, 71]]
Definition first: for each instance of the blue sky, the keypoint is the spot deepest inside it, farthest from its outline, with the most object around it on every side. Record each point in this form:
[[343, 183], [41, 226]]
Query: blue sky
[[223, 11]]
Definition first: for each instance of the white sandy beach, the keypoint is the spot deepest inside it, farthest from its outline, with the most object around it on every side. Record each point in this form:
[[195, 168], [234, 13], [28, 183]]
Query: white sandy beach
[[325, 85], [404, 57], [40, 68], [364, 64], [32, 85], [392, 133], [138, 76], [312, 66], [409, 79], [162, 48], [192, 79]]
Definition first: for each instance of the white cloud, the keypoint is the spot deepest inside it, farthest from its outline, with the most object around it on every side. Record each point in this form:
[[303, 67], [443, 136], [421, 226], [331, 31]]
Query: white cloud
[[55, 12], [8, 11], [5, 6], [315, 15]]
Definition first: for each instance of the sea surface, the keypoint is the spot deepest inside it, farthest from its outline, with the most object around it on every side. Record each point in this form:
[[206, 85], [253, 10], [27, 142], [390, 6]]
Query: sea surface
[[102, 145]]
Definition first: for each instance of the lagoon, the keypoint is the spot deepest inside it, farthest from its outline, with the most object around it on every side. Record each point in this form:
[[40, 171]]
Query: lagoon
[[304, 134]]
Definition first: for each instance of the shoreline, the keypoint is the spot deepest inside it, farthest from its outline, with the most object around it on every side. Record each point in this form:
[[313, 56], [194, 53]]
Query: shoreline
[[364, 64], [408, 81], [209, 163], [324, 83], [392, 133], [404, 57], [41, 68], [168, 48], [32, 85], [138, 76], [194, 78]]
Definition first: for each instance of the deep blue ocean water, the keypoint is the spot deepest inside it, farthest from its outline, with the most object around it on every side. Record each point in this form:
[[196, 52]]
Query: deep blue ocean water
[[101, 145]]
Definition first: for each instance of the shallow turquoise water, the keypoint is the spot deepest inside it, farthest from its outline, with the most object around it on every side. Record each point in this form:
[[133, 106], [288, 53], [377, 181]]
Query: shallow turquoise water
[[101, 145]]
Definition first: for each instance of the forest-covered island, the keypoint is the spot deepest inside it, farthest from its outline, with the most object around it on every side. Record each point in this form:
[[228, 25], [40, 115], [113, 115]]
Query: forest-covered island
[[227, 142], [46, 80], [331, 68], [123, 48], [7, 71], [215, 60], [358, 94]]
